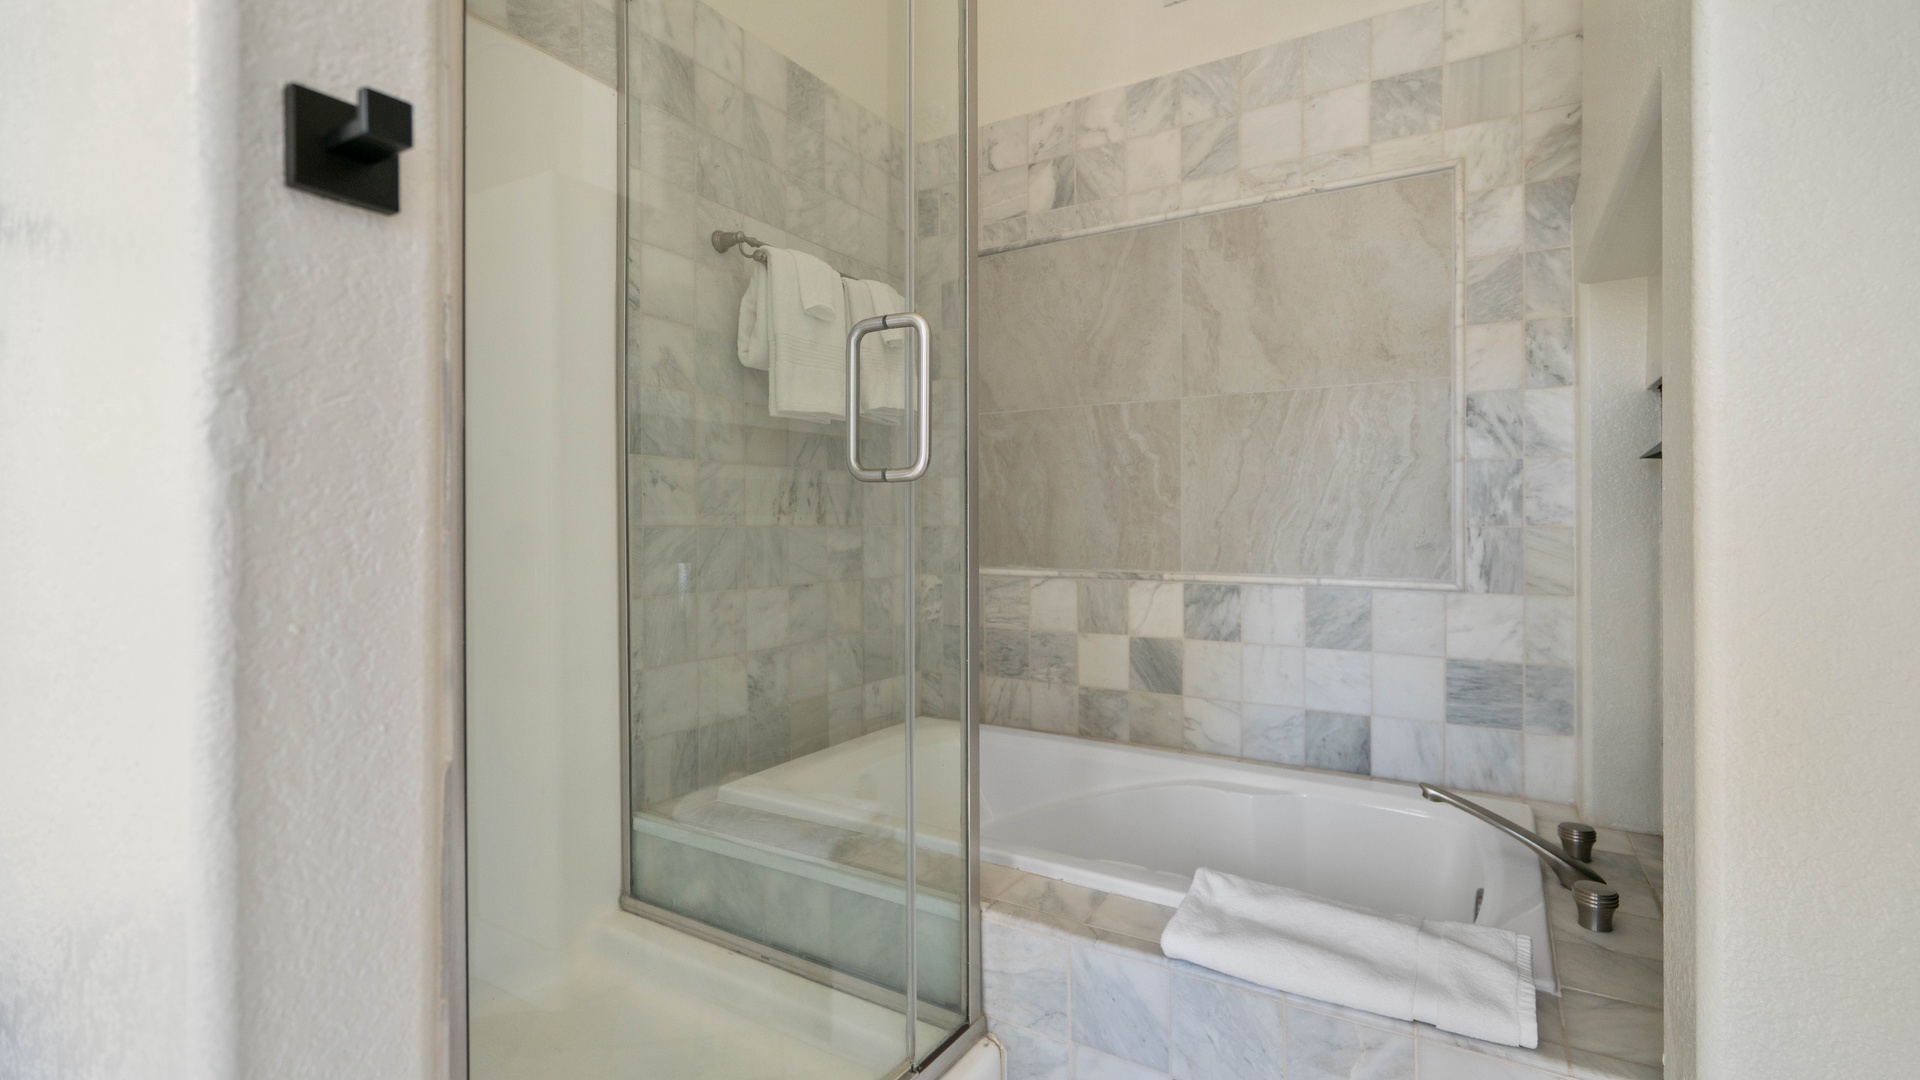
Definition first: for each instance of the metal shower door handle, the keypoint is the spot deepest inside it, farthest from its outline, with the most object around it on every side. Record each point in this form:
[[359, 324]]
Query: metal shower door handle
[[923, 394]]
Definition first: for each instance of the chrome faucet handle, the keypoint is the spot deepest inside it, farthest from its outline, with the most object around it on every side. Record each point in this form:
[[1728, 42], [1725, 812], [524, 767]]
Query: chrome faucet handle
[[1577, 838], [1594, 903]]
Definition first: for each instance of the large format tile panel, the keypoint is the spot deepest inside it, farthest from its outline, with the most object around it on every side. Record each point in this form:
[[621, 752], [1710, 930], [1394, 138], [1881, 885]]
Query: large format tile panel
[[1339, 482], [1344, 287], [1081, 322], [1084, 487]]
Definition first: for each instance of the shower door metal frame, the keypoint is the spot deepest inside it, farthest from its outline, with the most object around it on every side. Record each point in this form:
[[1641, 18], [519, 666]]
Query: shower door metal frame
[[963, 1039]]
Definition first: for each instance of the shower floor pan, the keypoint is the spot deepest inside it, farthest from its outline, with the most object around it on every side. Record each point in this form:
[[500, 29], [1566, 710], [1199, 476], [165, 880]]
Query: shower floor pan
[[1139, 821]]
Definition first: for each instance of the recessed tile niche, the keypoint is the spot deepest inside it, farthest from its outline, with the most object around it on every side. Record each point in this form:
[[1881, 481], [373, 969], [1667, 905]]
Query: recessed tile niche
[[1265, 391]]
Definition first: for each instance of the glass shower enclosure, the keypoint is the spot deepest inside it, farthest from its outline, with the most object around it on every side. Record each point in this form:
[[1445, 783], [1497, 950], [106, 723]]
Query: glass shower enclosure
[[719, 635]]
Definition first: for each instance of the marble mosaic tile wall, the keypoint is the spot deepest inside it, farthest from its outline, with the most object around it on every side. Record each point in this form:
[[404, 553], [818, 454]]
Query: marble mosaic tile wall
[[763, 581], [580, 33], [1472, 685]]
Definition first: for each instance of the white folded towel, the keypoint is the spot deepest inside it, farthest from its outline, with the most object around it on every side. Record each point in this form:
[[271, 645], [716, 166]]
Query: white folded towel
[[1473, 980], [755, 328], [883, 364], [804, 310]]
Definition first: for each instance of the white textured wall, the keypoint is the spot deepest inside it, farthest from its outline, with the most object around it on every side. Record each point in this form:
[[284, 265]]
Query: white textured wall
[[1807, 494], [220, 559]]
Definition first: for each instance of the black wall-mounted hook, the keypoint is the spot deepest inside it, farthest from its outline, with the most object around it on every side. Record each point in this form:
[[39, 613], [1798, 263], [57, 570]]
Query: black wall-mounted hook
[[345, 151]]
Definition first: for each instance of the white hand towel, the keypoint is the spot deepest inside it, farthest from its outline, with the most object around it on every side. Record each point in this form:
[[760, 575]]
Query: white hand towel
[[1473, 980], [806, 353], [883, 373], [752, 341]]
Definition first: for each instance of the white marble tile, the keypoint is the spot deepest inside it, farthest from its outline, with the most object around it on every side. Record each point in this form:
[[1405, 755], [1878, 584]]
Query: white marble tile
[[1549, 423], [1103, 118], [1482, 26], [1224, 1032], [1409, 687], [1549, 283], [1582, 965], [1152, 105], [1336, 165], [1339, 618], [1156, 609], [1030, 1055], [1550, 212], [1338, 681], [1406, 105], [1495, 560], [1484, 759], [1441, 1062], [1550, 555], [1495, 289], [1550, 768], [1099, 173], [669, 20], [1003, 145], [1550, 352], [1212, 611], [1484, 693], [1336, 57], [1337, 119], [1615, 1029], [1409, 152], [1270, 75], [1025, 978], [1407, 40], [1210, 191], [1552, 634], [1209, 91], [1271, 134], [1212, 727], [1154, 202], [1485, 627], [1275, 733], [1153, 161], [1093, 1065], [1409, 622], [1551, 141], [1495, 424], [1341, 742], [1496, 357], [1489, 152], [1054, 606], [1103, 714], [1553, 72], [1003, 194], [1053, 131], [1324, 1047], [1484, 88], [765, 75], [1273, 614], [717, 43], [1496, 220], [1055, 706], [1273, 675], [1209, 148], [1549, 493], [1121, 1006], [1212, 669], [1407, 749], [1049, 185], [1552, 18]]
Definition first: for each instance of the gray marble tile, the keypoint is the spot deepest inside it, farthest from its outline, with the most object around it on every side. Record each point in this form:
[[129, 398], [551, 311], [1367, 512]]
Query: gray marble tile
[[1484, 759], [1483, 88], [1407, 40], [1083, 488], [1121, 1006], [1323, 1047], [1549, 423], [1270, 75], [1336, 57], [1276, 733], [1485, 694], [1550, 353], [664, 77], [1079, 322], [1269, 140], [1026, 978], [1103, 118], [1156, 720], [1050, 184], [1209, 91], [1495, 290], [1496, 424], [806, 99], [1151, 105], [1209, 148], [1549, 283], [1005, 600], [1099, 173], [1550, 496], [1339, 618], [1220, 1031], [1495, 560], [717, 43], [1004, 652], [1496, 221], [1030, 1055], [669, 20], [1339, 741], [550, 25], [1407, 749], [1260, 468], [1582, 965], [1551, 565], [1550, 212], [1003, 145], [1053, 131], [1336, 120], [1103, 714], [599, 42], [1052, 657], [1494, 492], [1489, 153], [1003, 195], [1406, 105], [1550, 700], [1093, 1065], [1551, 143], [1153, 161], [1211, 727], [1213, 612], [1155, 664], [1005, 702], [1339, 681], [1103, 607]]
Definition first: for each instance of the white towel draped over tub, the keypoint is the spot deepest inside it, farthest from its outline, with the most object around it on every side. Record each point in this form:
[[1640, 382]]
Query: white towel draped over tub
[[1472, 980]]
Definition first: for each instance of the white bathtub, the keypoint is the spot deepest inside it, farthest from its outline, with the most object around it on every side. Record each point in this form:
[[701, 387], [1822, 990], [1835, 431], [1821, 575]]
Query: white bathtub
[[1138, 822]]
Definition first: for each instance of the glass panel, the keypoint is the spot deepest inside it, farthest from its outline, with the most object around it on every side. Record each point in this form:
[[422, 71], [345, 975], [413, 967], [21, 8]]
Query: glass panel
[[769, 594]]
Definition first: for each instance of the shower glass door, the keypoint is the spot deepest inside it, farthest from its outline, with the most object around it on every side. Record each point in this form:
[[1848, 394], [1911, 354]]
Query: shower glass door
[[798, 759]]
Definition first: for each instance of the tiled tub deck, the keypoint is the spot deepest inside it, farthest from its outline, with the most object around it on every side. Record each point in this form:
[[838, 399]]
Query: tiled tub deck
[[1078, 989]]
